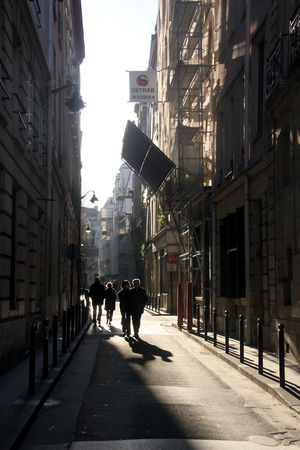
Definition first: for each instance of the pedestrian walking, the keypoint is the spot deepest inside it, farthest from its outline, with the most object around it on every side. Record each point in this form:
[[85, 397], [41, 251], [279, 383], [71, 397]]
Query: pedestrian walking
[[110, 302], [125, 297], [96, 293], [139, 299]]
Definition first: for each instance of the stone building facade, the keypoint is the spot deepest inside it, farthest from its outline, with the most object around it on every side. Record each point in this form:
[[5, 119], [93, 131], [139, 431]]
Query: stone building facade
[[256, 193], [227, 115], [41, 50], [90, 242]]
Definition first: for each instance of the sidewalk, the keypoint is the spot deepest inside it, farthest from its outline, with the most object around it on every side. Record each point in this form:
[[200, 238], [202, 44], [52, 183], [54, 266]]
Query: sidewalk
[[17, 408], [269, 381]]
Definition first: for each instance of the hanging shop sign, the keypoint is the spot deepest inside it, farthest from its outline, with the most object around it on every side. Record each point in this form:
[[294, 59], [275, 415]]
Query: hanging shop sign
[[171, 259], [171, 267], [142, 86]]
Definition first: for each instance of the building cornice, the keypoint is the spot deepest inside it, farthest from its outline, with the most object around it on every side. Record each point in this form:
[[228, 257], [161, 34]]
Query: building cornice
[[236, 184]]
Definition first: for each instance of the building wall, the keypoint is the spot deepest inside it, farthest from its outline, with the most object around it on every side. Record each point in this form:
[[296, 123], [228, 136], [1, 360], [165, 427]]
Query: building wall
[[90, 244], [247, 133], [117, 248], [38, 160], [184, 132], [106, 228], [256, 157]]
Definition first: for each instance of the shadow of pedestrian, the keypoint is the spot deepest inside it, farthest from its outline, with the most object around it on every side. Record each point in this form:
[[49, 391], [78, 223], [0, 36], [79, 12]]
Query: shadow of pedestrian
[[149, 351]]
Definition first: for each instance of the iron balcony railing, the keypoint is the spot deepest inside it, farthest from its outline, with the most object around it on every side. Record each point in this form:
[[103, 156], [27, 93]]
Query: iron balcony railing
[[277, 65], [283, 56], [294, 33]]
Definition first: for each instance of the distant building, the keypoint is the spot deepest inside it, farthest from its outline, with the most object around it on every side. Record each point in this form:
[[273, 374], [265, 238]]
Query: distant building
[[117, 250], [105, 248], [90, 243]]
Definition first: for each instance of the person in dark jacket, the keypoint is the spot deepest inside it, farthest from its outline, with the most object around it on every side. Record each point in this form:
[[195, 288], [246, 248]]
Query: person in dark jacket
[[110, 302], [124, 296], [139, 299], [96, 293]]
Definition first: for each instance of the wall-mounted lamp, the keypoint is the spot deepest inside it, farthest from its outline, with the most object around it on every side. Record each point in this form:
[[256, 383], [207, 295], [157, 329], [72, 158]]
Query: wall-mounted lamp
[[93, 199], [75, 103], [87, 228]]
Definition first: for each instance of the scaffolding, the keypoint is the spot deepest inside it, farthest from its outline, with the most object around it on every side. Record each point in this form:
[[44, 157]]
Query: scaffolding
[[191, 62]]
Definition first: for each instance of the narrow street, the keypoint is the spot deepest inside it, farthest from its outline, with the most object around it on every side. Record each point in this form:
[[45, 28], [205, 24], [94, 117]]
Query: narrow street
[[162, 392]]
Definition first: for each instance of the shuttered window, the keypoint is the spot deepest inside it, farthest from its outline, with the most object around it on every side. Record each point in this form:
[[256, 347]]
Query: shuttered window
[[232, 255]]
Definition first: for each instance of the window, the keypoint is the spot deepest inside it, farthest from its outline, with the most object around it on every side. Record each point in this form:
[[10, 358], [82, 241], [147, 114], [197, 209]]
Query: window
[[232, 255], [30, 132], [284, 158], [260, 85], [220, 143], [13, 242], [286, 284]]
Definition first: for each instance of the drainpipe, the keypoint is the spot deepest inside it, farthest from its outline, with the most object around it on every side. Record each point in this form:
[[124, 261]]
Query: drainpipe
[[49, 205], [246, 180], [214, 258]]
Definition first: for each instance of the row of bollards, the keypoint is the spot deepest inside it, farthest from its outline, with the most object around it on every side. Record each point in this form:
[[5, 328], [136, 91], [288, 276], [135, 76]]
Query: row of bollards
[[242, 338], [73, 320], [154, 302]]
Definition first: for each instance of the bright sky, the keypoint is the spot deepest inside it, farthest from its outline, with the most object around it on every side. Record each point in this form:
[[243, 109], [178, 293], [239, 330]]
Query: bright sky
[[117, 38]]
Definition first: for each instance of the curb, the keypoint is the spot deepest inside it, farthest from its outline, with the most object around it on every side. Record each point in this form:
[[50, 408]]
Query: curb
[[30, 406], [271, 387]]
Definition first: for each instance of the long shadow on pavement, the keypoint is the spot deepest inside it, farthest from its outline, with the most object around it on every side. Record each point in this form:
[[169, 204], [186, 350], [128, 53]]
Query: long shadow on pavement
[[119, 403], [148, 351]]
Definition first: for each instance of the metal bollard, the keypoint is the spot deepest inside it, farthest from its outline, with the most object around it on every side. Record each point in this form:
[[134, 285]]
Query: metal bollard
[[215, 326], [180, 305], [226, 316], [189, 309], [64, 332], [45, 347], [75, 319], [205, 311], [72, 322], [54, 340], [68, 326], [281, 356], [198, 318], [83, 307], [82, 313], [32, 357], [242, 337], [79, 315], [260, 345]]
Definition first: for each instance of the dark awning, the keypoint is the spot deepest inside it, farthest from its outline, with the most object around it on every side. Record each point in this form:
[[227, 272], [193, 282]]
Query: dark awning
[[144, 158]]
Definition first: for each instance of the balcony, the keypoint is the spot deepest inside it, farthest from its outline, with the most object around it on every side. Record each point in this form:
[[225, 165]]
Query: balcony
[[294, 47], [284, 58], [277, 67]]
